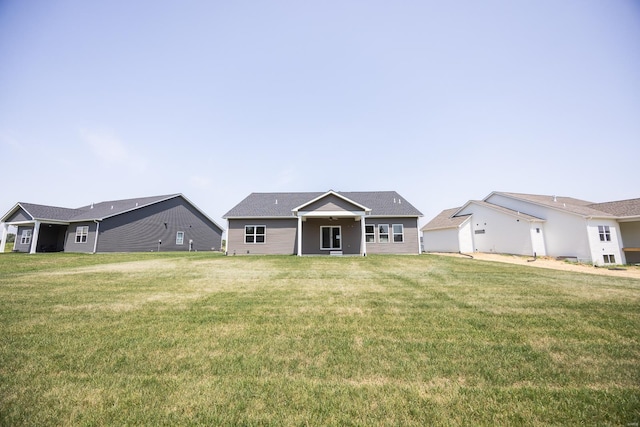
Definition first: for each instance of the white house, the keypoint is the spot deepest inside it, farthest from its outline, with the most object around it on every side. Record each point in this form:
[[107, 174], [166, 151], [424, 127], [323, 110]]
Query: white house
[[528, 224]]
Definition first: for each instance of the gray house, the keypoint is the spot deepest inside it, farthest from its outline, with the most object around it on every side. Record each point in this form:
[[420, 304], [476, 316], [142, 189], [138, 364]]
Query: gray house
[[167, 223], [330, 223]]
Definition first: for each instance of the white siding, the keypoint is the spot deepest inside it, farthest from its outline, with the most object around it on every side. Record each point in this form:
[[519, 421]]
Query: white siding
[[600, 248], [443, 240], [494, 231], [465, 237]]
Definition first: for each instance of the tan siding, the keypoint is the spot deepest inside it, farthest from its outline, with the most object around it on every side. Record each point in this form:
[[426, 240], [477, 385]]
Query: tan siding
[[350, 235], [331, 203], [411, 238], [281, 237]]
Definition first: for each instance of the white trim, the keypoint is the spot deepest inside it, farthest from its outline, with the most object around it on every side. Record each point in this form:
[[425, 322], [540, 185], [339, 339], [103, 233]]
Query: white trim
[[5, 231], [95, 241], [181, 233], [331, 192], [336, 214], [255, 234], [393, 233], [388, 233], [34, 238], [363, 240], [331, 237], [81, 229], [299, 236]]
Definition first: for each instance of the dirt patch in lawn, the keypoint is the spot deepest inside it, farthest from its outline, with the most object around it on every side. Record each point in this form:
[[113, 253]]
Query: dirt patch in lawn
[[552, 263]]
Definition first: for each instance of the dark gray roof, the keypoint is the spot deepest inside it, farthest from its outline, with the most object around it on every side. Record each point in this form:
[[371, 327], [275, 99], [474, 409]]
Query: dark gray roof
[[620, 208], [94, 211], [381, 203]]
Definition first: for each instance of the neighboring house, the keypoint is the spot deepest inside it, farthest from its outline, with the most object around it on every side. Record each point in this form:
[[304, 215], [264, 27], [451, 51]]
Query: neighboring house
[[330, 223], [528, 224], [166, 223]]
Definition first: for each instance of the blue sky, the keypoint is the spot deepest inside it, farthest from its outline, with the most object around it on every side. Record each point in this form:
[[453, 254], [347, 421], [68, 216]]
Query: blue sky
[[440, 101]]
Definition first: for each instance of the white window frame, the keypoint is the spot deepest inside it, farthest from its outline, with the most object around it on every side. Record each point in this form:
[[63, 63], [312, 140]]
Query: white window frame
[[331, 238], [394, 233], [371, 235], [609, 258], [383, 233], [255, 236], [605, 233], [25, 237], [180, 238], [82, 233]]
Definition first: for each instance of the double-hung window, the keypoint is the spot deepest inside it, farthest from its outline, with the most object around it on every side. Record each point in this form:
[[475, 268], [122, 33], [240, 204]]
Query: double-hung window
[[609, 259], [81, 234], [25, 237], [383, 233], [180, 238], [255, 233], [605, 233], [398, 233], [370, 233]]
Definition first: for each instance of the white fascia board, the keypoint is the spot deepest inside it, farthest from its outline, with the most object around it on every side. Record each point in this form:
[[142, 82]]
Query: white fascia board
[[501, 209], [337, 214], [628, 218], [12, 210], [328, 193], [258, 218]]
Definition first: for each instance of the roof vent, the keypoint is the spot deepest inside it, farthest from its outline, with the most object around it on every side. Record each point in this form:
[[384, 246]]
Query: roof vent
[[276, 201], [394, 200], [136, 204], [555, 199], [399, 201], [111, 207], [91, 205]]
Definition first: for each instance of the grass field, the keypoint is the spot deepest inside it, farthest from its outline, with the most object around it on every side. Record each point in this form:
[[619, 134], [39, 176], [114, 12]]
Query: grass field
[[203, 339]]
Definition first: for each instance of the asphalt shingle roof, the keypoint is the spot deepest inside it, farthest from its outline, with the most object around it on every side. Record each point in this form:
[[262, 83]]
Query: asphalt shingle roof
[[381, 203], [445, 220], [621, 208], [569, 204]]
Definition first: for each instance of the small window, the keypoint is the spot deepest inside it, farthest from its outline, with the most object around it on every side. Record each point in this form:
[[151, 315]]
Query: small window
[[398, 233], [254, 233], [605, 233], [81, 234], [383, 233], [609, 259], [180, 238], [370, 233], [538, 230], [25, 237]]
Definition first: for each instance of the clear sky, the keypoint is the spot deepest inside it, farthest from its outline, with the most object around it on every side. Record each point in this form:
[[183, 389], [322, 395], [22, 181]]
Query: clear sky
[[442, 101]]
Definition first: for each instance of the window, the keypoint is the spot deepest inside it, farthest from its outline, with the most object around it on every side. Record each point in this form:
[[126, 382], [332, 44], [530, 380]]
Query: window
[[609, 259], [25, 238], [398, 233], [369, 233], [383, 233], [330, 237], [254, 233], [81, 234], [180, 238], [605, 233]]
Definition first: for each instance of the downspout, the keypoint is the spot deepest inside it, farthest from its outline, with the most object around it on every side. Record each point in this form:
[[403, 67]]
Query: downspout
[[95, 241]]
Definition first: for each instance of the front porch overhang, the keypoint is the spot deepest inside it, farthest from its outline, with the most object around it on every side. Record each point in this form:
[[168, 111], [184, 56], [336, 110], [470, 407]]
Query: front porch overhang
[[36, 224], [331, 216]]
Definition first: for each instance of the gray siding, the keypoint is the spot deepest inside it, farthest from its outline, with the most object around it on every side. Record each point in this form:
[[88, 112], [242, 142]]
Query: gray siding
[[18, 216], [19, 247], [331, 203], [411, 238], [281, 237], [141, 229], [70, 244], [350, 235]]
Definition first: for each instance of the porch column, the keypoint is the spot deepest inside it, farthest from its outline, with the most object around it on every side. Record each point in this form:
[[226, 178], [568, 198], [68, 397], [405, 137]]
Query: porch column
[[5, 230], [363, 245], [34, 238], [299, 235]]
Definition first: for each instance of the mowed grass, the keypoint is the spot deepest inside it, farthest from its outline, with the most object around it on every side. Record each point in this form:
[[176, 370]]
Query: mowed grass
[[203, 339]]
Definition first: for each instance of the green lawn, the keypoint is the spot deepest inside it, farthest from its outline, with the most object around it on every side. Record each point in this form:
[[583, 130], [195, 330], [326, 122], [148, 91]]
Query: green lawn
[[203, 339]]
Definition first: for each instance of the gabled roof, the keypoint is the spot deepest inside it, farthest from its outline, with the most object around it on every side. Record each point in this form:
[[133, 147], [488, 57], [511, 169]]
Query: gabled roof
[[445, 219], [331, 193], [279, 205], [501, 209], [567, 204], [94, 211]]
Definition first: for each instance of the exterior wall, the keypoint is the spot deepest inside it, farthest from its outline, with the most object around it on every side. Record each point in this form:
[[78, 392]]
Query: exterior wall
[[350, 235], [141, 229], [280, 238], [443, 240], [331, 203], [565, 234], [630, 232], [537, 239], [19, 215], [411, 243], [70, 244], [600, 248], [497, 232], [465, 237], [19, 247]]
